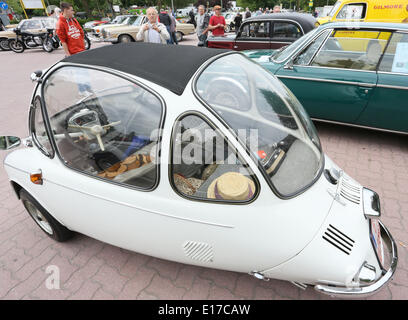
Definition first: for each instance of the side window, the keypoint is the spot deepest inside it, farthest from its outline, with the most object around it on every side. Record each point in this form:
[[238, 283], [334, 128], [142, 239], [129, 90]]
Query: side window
[[255, 30], [353, 11], [286, 30], [348, 49], [395, 58], [204, 165], [303, 59], [104, 125], [40, 135]]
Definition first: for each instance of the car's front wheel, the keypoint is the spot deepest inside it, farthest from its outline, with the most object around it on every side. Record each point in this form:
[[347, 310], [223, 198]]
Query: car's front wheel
[[179, 36], [43, 218], [124, 38], [227, 28]]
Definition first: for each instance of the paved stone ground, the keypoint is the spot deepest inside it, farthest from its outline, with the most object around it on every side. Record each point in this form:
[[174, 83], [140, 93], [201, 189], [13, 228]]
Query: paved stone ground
[[90, 269]]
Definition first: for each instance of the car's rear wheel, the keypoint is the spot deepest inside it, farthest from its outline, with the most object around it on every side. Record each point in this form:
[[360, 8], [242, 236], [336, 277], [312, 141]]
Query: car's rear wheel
[[87, 42], [179, 36], [43, 219], [227, 28], [124, 38], [4, 44], [17, 45]]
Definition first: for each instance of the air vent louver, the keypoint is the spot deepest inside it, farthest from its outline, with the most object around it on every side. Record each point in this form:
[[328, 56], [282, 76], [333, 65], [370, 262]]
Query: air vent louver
[[198, 251], [338, 239], [350, 190]]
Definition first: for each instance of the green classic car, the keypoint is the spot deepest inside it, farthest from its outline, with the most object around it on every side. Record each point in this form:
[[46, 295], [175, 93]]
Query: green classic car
[[355, 74]]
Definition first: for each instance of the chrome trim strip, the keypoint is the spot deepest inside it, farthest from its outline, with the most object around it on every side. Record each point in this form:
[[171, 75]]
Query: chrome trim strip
[[393, 73], [360, 84], [250, 40], [273, 20], [370, 289], [334, 68], [360, 126], [142, 209], [391, 87]]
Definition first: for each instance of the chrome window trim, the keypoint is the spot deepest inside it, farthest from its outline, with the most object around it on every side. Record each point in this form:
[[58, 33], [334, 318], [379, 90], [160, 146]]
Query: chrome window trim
[[230, 144], [32, 127], [360, 84], [271, 22], [249, 153], [335, 68], [382, 28], [124, 76], [300, 48], [317, 51]]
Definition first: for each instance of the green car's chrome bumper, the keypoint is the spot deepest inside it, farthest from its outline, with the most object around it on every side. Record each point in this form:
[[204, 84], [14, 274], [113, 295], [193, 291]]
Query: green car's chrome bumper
[[360, 292]]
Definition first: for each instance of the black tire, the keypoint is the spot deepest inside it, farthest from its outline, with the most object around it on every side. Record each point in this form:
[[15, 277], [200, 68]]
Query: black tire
[[124, 38], [17, 45], [87, 43], [179, 36], [43, 219], [227, 28], [4, 44], [48, 45]]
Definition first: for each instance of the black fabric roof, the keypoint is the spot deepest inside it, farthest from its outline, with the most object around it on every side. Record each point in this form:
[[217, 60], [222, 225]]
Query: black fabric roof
[[170, 66]]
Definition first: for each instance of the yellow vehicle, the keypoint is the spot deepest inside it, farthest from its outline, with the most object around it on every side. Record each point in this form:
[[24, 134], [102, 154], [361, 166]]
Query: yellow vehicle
[[368, 11]]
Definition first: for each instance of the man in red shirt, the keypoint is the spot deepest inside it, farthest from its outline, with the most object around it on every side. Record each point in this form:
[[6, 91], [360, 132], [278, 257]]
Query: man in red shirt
[[217, 23], [70, 31]]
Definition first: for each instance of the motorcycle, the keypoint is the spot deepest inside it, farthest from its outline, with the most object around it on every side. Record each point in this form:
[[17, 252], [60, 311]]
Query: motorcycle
[[26, 40], [52, 41]]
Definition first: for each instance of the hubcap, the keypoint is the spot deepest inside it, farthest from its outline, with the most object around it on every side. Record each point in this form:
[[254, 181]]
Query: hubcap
[[38, 217]]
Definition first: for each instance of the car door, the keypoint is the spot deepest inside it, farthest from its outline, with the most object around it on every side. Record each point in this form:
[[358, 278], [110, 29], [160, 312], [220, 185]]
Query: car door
[[284, 33], [253, 35], [334, 77], [103, 184], [388, 106]]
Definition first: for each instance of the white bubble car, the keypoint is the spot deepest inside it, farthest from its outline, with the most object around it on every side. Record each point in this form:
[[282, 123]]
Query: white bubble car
[[199, 156]]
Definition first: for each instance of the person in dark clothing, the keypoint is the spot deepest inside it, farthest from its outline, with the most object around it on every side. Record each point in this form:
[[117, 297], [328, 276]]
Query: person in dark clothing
[[192, 18], [247, 13], [166, 20], [237, 21]]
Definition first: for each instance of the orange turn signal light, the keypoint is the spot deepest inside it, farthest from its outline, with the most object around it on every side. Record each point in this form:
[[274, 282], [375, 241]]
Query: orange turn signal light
[[36, 178]]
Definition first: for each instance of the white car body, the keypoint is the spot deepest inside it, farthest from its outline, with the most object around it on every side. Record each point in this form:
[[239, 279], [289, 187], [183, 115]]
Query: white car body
[[268, 238]]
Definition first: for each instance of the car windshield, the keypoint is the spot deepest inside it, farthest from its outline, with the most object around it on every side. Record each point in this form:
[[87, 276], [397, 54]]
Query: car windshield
[[267, 118], [334, 9], [287, 52]]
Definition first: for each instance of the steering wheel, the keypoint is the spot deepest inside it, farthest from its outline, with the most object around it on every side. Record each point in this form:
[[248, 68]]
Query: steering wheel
[[227, 92], [96, 130]]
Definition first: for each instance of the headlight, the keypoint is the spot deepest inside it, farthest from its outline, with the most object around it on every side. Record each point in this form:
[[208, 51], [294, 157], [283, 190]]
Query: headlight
[[371, 204], [366, 274]]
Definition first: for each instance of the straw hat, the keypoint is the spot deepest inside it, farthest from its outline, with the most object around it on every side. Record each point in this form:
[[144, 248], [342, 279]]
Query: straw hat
[[231, 186]]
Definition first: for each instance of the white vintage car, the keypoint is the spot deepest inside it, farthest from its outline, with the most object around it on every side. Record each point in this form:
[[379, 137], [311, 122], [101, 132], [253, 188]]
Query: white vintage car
[[209, 160]]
